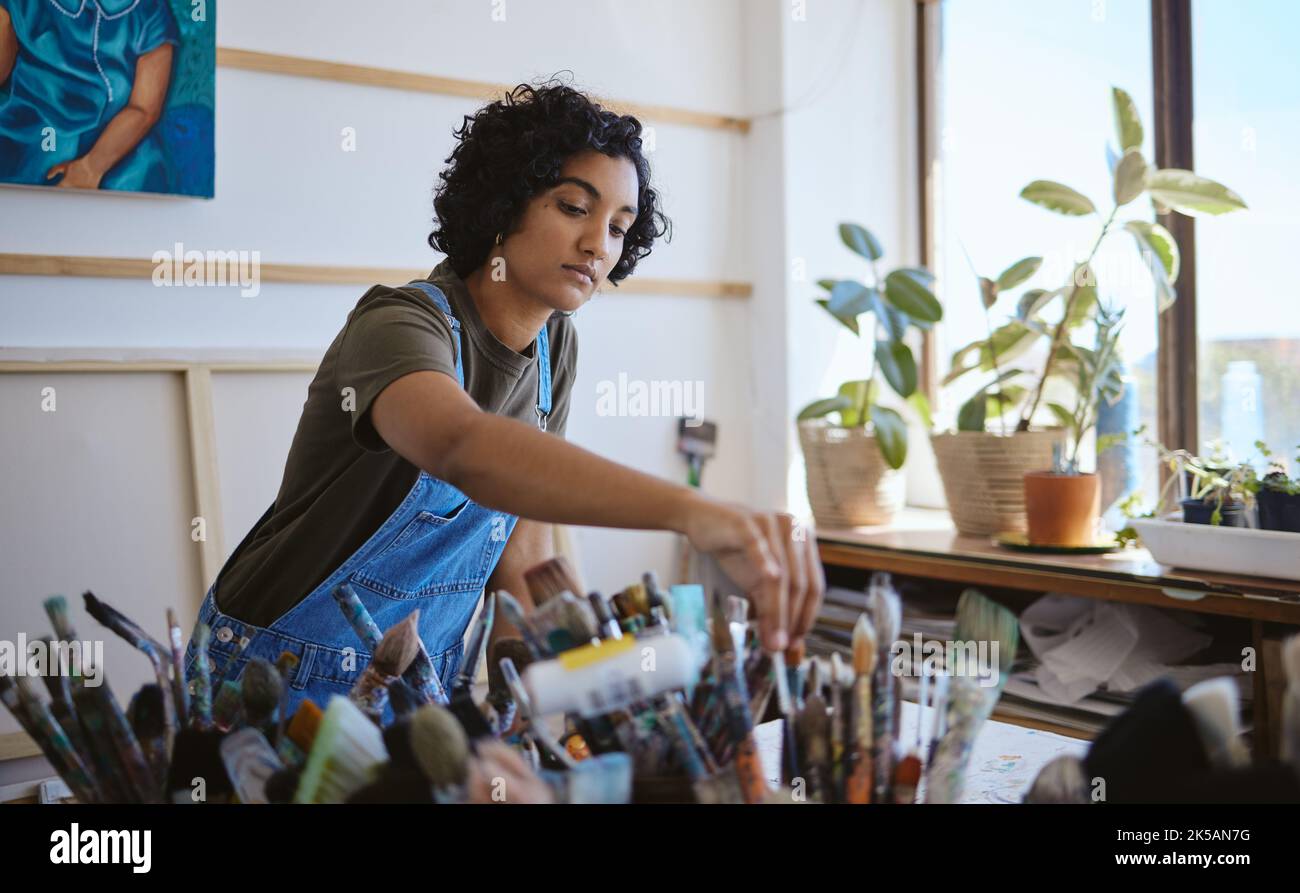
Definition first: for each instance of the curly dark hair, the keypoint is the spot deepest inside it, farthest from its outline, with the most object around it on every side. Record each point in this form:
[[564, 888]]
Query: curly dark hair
[[512, 149]]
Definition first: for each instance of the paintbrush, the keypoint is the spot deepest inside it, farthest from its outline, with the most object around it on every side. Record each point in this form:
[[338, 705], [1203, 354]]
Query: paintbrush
[[397, 648], [697, 441], [549, 579], [286, 664], [1289, 745], [837, 731], [789, 747], [440, 746], [40, 724], [59, 686], [907, 774], [228, 706], [814, 741], [305, 724], [421, 674], [514, 614], [462, 702], [158, 655], [535, 726], [886, 616], [201, 708], [261, 690], [860, 780], [606, 624], [250, 762], [739, 725], [180, 692], [148, 716], [345, 756], [102, 716]]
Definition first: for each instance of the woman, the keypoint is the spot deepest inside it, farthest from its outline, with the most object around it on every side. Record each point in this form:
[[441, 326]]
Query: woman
[[430, 431]]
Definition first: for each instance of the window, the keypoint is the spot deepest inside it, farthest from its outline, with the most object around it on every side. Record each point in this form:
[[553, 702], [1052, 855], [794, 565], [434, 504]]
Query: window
[[1246, 93], [1025, 91]]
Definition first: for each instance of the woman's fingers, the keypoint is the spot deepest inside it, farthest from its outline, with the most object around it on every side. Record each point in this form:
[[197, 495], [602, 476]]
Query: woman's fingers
[[815, 586], [772, 597]]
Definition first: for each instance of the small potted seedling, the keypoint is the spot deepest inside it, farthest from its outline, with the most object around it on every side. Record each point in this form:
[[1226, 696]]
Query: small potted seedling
[[1278, 495], [1063, 504]]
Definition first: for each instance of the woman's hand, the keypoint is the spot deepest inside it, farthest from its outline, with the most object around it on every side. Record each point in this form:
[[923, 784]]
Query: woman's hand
[[77, 174], [770, 557]]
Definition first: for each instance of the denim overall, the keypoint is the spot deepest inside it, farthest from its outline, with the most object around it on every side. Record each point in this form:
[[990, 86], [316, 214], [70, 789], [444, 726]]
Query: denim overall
[[435, 552]]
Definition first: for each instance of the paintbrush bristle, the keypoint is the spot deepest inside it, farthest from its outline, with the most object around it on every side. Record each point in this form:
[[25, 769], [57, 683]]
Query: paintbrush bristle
[[980, 619], [345, 757], [864, 646], [146, 712], [399, 646], [440, 745], [260, 686], [549, 579]]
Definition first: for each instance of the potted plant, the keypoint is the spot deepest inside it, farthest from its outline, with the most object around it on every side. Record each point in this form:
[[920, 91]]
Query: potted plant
[[1278, 495], [853, 445], [1022, 393], [983, 462], [1210, 490], [1063, 504]]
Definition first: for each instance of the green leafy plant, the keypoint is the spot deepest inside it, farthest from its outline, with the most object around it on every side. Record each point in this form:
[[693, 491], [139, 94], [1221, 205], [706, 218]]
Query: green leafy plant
[[1098, 377], [1276, 478], [882, 311], [1023, 391]]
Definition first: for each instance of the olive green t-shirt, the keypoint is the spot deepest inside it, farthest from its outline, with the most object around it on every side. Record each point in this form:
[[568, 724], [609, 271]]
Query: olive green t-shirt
[[341, 481]]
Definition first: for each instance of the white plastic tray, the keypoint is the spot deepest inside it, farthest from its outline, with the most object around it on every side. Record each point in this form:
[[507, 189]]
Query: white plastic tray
[[1228, 550]]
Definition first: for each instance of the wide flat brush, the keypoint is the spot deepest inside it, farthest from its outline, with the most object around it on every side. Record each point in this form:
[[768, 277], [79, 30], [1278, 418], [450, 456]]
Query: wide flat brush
[[345, 756], [550, 578]]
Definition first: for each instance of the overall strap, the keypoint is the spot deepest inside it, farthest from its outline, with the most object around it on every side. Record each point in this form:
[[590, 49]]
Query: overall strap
[[543, 378], [543, 351], [440, 301]]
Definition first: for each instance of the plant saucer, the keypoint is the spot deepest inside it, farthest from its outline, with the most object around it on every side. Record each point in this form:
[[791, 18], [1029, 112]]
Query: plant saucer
[[1020, 542]]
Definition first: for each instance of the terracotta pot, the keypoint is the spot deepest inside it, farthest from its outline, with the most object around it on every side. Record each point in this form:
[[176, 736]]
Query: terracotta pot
[[983, 476], [1062, 509]]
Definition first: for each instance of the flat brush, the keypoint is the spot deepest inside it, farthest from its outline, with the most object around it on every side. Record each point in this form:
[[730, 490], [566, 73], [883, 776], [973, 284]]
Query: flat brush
[[345, 756], [397, 648], [462, 702], [550, 578]]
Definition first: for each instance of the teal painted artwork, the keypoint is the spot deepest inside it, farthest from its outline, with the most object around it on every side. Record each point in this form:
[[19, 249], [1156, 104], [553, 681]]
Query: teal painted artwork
[[108, 94]]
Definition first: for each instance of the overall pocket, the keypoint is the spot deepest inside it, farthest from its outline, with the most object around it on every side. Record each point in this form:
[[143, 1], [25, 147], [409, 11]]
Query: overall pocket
[[432, 555]]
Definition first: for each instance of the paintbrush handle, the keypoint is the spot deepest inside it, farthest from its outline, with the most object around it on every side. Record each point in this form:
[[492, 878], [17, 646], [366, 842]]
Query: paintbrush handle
[[749, 769], [180, 693], [201, 717], [128, 748], [357, 616], [424, 679]]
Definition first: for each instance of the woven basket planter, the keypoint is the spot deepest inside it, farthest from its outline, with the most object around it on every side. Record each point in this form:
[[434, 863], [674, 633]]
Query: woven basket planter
[[849, 484], [983, 476]]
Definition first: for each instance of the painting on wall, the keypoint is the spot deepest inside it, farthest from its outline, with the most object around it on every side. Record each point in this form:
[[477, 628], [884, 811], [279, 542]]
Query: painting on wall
[[108, 94]]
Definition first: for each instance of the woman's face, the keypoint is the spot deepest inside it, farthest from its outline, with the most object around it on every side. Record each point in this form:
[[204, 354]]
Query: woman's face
[[578, 223]]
